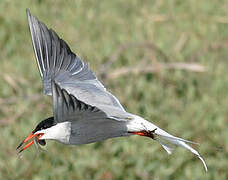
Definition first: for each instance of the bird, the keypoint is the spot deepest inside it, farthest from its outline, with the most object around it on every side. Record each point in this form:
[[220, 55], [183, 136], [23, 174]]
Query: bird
[[84, 111]]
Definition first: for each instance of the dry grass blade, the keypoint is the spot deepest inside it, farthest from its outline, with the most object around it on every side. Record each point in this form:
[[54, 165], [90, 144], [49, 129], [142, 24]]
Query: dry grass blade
[[11, 100], [123, 47], [193, 67]]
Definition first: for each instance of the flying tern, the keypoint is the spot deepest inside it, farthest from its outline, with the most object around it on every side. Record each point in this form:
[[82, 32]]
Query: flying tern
[[84, 111]]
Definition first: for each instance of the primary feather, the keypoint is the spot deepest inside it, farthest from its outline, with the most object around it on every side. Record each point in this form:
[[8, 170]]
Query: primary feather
[[57, 62]]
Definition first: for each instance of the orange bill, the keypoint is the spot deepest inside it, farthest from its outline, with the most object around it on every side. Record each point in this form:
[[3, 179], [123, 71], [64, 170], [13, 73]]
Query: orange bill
[[30, 137]]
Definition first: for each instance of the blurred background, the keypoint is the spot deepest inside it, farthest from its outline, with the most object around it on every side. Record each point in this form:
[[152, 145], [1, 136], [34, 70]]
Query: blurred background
[[165, 61]]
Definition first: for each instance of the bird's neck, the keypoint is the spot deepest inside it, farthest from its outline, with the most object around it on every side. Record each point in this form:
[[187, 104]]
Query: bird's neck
[[138, 124]]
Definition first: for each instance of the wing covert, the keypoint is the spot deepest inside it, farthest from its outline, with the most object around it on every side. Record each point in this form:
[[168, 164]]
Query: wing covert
[[67, 107]]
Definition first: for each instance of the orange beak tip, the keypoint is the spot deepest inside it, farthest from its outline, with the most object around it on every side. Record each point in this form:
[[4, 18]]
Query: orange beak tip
[[30, 137]]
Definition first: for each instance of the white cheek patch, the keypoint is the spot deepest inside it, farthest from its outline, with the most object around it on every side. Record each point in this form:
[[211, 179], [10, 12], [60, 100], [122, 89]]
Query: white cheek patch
[[60, 132]]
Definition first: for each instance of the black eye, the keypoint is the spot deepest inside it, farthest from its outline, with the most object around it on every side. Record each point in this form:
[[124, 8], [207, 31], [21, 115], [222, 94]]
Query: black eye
[[42, 142]]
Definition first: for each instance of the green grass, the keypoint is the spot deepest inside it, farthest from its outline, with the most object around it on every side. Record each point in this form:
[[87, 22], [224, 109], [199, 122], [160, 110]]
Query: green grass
[[187, 104]]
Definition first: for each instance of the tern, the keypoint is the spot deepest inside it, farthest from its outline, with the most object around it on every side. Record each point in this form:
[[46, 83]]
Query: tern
[[84, 111]]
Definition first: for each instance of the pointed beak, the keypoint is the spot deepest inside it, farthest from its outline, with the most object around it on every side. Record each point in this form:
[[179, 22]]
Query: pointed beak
[[31, 137]]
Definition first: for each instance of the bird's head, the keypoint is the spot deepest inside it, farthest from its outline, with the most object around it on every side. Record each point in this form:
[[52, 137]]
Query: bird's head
[[39, 134]]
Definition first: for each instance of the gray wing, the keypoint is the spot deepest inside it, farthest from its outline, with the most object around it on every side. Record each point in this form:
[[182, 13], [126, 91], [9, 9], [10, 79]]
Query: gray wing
[[57, 62], [88, 123], [67, 107]]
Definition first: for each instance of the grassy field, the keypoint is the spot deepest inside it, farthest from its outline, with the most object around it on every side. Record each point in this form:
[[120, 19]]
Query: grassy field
[[146, 41]]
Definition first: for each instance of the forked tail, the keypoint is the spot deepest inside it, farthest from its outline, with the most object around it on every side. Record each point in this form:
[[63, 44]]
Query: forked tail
[[169, 142], [142, 127]]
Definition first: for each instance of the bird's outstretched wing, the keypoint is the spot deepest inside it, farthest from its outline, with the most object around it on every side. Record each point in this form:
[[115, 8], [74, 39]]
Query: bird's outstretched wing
[[57, 62], [88, 123], [67, 107]]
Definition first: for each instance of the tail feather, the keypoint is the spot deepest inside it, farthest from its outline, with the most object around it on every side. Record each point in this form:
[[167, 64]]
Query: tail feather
[[168, 142], [169, 148], [177, 138]]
